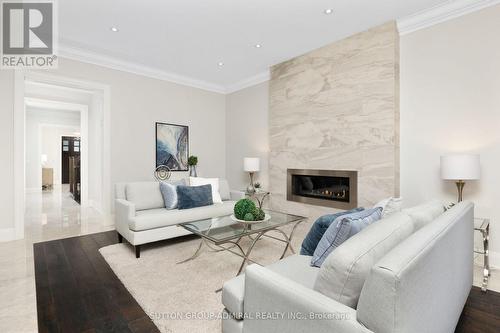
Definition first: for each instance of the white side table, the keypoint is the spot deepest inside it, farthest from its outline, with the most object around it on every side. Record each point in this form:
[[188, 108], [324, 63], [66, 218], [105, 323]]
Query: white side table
[[483, 226]]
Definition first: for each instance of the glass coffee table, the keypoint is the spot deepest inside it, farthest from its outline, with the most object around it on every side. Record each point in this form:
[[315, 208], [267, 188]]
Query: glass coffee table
[[224, 234]]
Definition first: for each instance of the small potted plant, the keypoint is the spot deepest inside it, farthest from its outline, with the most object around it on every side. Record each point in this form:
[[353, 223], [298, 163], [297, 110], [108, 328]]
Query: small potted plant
[[192, 162]]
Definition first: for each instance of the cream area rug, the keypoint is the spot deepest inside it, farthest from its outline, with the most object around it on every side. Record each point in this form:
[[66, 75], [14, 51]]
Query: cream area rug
[[181, 297]]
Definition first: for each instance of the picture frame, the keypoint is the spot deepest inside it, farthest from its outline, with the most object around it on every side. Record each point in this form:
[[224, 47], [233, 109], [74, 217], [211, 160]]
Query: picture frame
[[172, 146]]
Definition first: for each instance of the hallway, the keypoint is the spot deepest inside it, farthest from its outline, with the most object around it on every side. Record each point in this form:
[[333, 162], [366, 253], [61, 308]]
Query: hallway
[[49, 215]]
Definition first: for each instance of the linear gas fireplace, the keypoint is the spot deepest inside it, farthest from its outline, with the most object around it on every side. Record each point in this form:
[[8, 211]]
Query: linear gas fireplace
[[330, 188]]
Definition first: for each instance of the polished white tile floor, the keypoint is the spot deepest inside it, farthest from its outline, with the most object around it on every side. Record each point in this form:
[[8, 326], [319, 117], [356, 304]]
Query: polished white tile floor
[[54, 215], [49, 215]]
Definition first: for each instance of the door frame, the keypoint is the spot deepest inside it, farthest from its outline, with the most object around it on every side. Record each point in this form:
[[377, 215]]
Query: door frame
[[84, 134], [20, 77]]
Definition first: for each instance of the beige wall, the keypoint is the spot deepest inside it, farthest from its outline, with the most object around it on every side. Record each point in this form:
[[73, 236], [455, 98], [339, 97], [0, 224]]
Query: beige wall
[[137, 103], [37, 122], [337, 108], [450, 102], [6, 149], [247, 133]]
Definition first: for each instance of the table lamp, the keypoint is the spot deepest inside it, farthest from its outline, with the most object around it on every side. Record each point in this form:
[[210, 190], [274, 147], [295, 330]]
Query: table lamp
[[460, 168], [251, 165]]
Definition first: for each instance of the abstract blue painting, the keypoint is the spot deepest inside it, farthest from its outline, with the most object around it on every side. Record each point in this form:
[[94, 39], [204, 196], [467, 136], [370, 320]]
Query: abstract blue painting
[[172, 146]]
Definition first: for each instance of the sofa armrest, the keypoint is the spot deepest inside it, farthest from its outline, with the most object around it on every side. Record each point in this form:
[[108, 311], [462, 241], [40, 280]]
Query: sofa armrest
[[237, 195], [274, 303], [124, 212]]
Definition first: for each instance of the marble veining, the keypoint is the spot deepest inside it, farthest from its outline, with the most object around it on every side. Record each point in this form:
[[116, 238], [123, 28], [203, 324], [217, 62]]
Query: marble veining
[[338, 108]]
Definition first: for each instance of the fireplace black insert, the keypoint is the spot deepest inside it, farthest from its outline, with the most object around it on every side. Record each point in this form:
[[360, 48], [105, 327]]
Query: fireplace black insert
[[331, 188]]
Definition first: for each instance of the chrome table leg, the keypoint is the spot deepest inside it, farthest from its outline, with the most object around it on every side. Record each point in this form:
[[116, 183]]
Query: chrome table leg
[[486, 268], [196, 253]]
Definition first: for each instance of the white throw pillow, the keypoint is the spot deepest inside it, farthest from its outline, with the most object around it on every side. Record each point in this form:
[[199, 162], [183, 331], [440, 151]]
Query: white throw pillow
[[198, 181], [344, 272], [425, 213], [390, 206]]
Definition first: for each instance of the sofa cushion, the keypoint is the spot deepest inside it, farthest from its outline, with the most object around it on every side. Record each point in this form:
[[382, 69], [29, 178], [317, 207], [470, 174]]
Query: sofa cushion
[[144, 195], [318, 230], [158, 218], [425, 213], [194, 196], [343, 228], [390, 206], [342, 275], [295, 267], [224, 190], [169, 193]]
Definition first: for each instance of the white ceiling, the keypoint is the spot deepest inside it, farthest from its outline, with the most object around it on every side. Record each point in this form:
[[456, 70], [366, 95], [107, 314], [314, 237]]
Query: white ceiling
[[187, 38]]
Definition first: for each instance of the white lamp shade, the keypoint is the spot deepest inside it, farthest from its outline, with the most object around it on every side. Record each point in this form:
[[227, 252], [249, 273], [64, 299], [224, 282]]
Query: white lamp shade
[[44, 159], [460, 167], [251, 164]]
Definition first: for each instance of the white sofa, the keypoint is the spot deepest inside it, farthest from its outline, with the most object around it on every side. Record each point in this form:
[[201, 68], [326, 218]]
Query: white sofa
[[141, 217], [411, 272]]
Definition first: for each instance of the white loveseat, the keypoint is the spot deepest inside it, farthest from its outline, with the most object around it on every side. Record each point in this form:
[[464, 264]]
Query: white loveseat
[[408, 273], [141, 216]]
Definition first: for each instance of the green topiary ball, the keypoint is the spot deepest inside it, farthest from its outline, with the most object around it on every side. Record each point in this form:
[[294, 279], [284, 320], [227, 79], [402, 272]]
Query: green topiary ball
[[243, 207], [249, 217], [260, 215]]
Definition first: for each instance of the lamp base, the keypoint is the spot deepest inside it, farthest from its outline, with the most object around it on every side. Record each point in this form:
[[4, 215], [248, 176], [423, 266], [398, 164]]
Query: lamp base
[[251, 187], [460, 187]]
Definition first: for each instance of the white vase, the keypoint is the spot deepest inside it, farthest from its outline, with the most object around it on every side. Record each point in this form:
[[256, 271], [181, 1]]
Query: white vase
[[192, 171]]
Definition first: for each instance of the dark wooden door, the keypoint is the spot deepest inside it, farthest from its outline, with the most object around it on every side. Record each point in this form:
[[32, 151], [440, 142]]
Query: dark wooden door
[[70, 147]]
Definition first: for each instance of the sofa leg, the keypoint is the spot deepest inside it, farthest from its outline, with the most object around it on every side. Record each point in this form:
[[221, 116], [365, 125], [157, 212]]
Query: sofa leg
[[137, 251], [120, 238]]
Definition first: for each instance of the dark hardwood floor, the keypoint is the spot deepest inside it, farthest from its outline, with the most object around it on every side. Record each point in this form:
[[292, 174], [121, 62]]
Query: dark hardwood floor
[[76, 291]]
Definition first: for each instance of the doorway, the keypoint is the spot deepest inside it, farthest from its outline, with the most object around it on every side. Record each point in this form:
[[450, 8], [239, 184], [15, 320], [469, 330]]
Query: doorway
[[70, 165], [86, 164]]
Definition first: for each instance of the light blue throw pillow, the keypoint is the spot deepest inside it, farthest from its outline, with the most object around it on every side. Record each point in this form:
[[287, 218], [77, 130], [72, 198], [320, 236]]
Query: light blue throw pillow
[[169, 193], [341, 229], [318, 229]]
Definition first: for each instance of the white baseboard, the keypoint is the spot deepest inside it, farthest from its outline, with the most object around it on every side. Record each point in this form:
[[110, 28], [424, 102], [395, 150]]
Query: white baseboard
[[7, 234]]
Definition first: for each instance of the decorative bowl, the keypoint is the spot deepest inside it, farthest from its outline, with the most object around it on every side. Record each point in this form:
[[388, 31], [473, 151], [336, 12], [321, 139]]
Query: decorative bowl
[[267, 218]]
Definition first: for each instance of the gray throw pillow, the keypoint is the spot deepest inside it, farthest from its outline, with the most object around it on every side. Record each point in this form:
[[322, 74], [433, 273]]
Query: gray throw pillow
[[341, 229], [194, 196], [169, 193]]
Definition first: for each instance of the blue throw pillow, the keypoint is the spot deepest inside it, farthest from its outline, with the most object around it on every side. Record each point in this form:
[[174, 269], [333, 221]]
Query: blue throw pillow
[[342, 229], [169, 193], [194, 196], [318, 230]]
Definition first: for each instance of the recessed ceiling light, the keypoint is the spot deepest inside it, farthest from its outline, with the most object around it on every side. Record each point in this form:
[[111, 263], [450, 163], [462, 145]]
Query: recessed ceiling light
[[114, 29], [220, 64], [258, 46], [328, 11]]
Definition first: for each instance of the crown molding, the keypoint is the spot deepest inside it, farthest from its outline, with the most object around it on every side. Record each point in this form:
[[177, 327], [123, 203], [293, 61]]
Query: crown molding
[[441, 13], [251, 81], [78, 54]]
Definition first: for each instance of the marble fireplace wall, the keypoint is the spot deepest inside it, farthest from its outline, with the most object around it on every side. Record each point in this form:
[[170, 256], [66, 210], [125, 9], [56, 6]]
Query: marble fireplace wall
[[337, 107]]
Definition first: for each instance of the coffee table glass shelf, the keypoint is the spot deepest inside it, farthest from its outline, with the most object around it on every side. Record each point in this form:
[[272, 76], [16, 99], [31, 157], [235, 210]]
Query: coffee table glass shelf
[[225, 234]]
